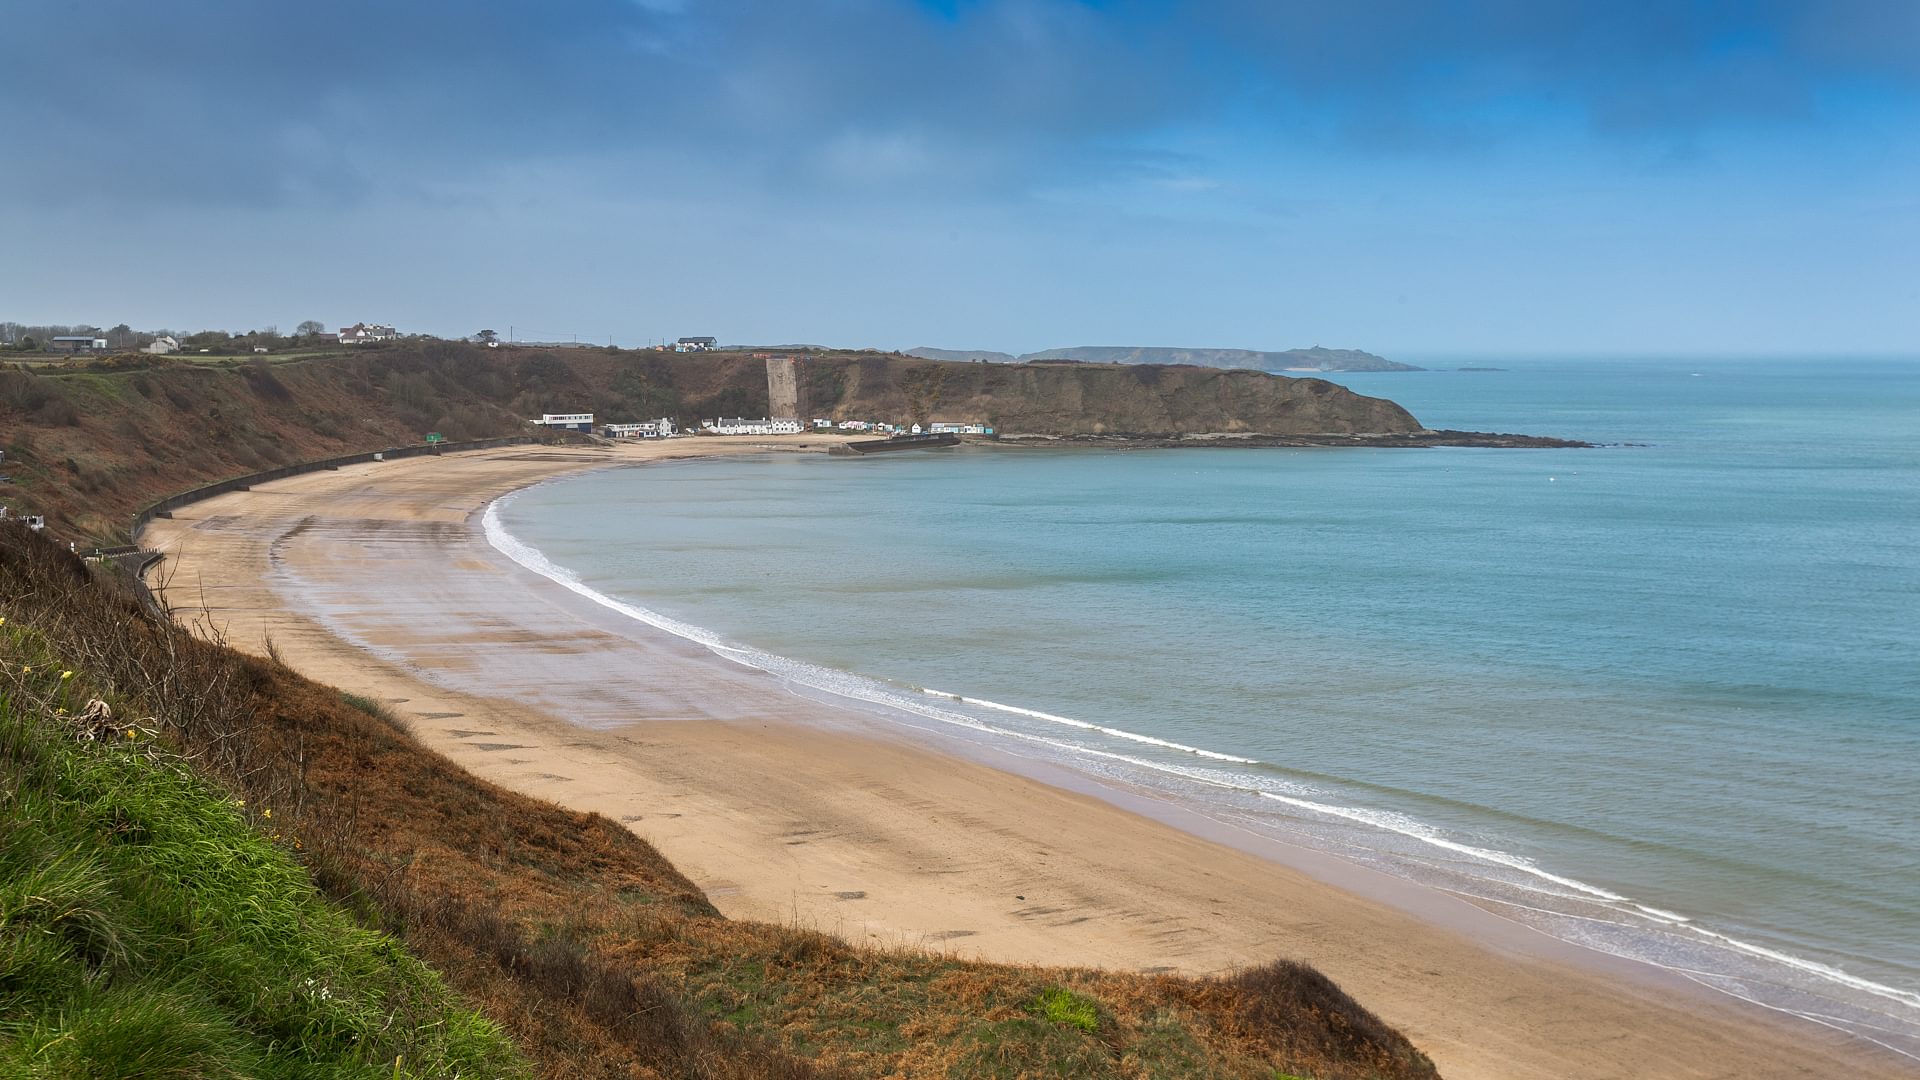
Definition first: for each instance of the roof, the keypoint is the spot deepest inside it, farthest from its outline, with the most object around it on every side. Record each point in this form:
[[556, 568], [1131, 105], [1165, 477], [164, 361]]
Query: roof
[[696, 341], [77, 337]]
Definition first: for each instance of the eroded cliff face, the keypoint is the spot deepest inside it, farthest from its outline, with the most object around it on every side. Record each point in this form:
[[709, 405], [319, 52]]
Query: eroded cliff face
[[1084, 399], [89, 443]]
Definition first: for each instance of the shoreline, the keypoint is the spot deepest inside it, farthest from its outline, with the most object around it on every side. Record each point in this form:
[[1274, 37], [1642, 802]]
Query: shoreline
[[1412, 440], [943, 844]]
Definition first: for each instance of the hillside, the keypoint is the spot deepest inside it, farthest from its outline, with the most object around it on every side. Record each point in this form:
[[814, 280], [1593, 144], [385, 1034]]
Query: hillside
[[565, 930], [119, 961], [89, 443], [927, 352]]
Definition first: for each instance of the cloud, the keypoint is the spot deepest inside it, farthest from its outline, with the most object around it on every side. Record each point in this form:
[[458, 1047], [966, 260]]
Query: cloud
[[239, 103]]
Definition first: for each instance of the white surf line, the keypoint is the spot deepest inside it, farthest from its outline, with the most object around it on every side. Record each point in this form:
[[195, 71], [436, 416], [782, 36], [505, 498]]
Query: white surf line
[[1812, 967], [1842, 1026], [1085, 725], [1409, 827], [1710, 980], [532, 559], [1374, 818]]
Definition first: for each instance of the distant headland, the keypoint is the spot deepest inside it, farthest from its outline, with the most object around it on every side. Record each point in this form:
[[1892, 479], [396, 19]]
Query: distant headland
[[1315, 358]]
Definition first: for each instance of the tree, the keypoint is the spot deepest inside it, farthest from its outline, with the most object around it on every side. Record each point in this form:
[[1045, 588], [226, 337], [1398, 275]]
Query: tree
[[311, 328], [487, 337]]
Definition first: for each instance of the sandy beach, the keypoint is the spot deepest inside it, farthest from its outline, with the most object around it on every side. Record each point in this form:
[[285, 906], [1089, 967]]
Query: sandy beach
[[378, 579]]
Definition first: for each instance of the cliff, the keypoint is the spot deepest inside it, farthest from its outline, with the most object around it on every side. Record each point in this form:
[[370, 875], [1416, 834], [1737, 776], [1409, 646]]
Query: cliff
[[89, 443], [1085, 399]]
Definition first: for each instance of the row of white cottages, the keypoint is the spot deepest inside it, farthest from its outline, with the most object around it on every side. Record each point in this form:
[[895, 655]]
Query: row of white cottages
[[937, 428], [740, 425], [663, 428]]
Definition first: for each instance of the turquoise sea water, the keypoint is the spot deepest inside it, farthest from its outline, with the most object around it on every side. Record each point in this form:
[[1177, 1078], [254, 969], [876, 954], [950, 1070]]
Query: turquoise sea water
[[1660, 698]]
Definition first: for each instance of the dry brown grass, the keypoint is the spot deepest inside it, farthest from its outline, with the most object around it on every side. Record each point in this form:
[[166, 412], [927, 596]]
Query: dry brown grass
[[597, 955]]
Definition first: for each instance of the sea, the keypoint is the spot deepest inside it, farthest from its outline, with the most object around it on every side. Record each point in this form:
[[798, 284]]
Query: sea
[[1659, 698]]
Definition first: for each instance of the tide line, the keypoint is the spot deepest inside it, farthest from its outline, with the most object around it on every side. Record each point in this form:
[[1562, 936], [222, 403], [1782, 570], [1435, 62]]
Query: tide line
[[872, 691], [1069, 721]]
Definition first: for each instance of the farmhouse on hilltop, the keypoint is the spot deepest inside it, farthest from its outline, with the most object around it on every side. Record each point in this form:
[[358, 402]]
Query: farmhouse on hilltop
[[363, 333], [694, 344]]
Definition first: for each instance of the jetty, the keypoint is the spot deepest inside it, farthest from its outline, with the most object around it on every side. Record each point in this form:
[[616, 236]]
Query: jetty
[[903, 442]]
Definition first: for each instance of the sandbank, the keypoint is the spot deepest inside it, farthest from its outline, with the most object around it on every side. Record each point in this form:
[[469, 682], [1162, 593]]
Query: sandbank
[[378, 579]]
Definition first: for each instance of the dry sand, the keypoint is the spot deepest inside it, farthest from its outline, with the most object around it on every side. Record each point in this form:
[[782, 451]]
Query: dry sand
[[377, 579]]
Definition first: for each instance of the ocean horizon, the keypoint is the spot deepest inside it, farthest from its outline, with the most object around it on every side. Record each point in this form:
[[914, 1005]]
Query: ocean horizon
[[1656, 698]]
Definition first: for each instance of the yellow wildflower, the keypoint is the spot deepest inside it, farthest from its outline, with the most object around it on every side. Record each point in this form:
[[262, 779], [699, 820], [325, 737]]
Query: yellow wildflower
[[26, 669], [266, 813], [65, 675], [129, 733]]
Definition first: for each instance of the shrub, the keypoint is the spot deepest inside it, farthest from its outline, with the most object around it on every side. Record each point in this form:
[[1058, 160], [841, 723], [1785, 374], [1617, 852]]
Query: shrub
[[1062, 1006]]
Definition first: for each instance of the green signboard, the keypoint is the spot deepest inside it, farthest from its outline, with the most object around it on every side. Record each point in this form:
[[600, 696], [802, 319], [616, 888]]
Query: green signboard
[[435, 437]]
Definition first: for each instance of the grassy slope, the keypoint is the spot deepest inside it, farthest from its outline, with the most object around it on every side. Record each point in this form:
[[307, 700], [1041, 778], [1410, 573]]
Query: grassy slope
[[88, 444], [595, 955], [147, 930]]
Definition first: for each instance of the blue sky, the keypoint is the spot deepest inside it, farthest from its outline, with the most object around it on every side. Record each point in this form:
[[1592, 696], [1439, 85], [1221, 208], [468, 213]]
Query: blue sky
[[1416, 178]]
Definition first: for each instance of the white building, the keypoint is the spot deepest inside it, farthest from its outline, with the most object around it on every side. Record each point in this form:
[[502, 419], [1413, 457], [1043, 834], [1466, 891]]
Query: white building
[[652, 429], [737, 425], [162, 345], [939, 428], [572, 421], [365, 333], [855, 425]]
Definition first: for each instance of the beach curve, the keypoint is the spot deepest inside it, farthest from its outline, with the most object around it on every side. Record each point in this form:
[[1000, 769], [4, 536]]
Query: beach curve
[[788, 821]]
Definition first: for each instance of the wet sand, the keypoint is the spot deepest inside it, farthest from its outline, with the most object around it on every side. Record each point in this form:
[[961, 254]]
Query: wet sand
[[377, 579]]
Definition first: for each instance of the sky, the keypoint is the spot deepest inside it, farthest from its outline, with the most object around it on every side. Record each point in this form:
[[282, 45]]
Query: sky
[[1413, 177]]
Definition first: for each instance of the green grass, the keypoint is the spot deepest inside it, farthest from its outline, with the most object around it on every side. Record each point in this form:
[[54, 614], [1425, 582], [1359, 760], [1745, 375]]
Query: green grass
[[148, 930], [376, 709], [1062, 1006]]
